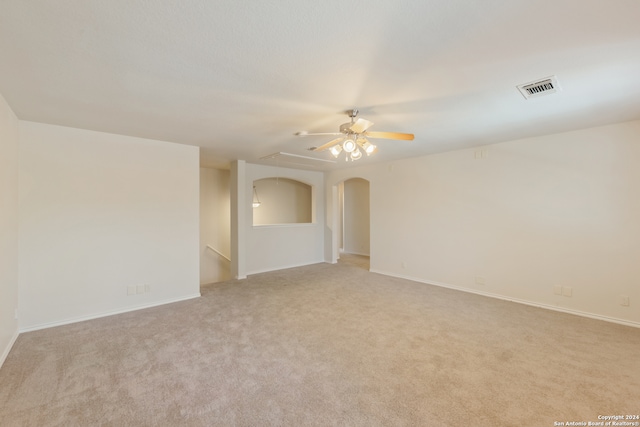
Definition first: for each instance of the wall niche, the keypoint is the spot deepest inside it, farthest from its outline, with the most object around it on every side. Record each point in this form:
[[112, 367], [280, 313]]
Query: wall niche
[[282, 201]]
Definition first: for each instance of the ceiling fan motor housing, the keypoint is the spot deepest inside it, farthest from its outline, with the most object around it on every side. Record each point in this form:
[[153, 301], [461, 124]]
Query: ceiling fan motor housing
[[346, 127]]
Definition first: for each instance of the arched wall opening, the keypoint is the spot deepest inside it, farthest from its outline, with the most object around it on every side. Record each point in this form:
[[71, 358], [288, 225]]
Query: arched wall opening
[[282, 201]]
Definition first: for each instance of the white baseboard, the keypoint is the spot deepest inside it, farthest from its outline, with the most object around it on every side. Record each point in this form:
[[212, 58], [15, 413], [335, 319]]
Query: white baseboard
[[354, 253], [284, 267], [516, 300], [6, 351], [106, 313]]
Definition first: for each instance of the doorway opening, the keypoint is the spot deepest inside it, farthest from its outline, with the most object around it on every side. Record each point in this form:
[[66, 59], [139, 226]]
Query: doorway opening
[[353, 234]]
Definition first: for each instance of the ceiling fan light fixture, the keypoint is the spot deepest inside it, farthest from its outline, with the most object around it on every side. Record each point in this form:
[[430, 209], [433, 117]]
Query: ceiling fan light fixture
[[353, 138], [336, 150], [256, 201], [349, 145], [368, 147]]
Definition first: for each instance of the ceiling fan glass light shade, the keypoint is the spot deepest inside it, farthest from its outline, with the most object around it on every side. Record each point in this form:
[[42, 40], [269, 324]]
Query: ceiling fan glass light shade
[[356, 154], [349, 145], [336, 150], [368, 147]]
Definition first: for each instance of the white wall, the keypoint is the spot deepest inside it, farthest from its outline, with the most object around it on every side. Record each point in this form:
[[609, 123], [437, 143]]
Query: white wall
[[239, 220], [8, 228], [273, 247], [215, 225], [356, 216], [530, 215], [100, 215], [339, 226]]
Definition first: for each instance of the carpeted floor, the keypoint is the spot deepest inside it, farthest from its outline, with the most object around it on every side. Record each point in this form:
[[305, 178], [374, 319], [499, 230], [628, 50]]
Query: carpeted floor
[[324, 345]]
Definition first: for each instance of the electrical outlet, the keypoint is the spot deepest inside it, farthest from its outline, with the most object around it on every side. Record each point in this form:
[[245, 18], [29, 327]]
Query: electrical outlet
[[567, 291], [404, 264], [480, 280], [140, 289], [557, 290], [624, 300], [131, 290], [147, 288], [482, 153]]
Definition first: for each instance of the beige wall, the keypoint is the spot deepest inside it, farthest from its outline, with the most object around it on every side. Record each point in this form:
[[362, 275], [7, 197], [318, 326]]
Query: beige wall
[[9, 221], [520, 222], [273, 247], [215, 225], [102, 215]]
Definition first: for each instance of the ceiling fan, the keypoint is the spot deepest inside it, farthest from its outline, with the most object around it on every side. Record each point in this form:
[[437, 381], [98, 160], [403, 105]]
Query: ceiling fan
[[353, 139]]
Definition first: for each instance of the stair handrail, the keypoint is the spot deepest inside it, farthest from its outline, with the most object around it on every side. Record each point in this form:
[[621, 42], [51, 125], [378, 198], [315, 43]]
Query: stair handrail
[[218, 252]]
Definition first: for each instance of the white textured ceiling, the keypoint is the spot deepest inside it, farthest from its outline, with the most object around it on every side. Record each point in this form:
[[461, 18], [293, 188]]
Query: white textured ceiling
[[239, 78]]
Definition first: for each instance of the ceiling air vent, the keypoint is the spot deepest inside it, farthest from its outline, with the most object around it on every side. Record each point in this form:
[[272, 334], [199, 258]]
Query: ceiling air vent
[[541, 87]]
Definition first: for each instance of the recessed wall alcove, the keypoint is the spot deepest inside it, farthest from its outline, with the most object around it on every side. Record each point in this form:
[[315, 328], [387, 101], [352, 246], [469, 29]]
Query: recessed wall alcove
[[282, 201]]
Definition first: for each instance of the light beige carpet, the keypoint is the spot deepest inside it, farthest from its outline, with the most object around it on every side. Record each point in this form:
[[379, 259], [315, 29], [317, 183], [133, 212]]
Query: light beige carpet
[[324, 345]]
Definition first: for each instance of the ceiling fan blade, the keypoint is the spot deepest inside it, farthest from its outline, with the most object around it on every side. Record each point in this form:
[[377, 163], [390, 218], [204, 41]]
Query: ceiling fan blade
[[305, 133], [328, 144], [390, 135], [361, 125]]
